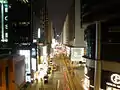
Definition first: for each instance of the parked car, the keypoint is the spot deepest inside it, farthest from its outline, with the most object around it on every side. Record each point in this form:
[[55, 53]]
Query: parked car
[[48, 71]]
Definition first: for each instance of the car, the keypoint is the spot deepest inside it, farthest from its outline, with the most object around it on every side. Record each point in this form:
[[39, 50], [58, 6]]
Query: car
[[48, 71], [54, 68], [50, 62], [49, 68], [46, 79]]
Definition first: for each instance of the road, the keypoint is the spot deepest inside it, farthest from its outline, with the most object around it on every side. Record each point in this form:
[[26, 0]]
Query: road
[[62, 79]]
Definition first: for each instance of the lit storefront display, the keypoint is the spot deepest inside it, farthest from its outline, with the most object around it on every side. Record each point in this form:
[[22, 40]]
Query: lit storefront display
[[68, 51], [34, 59], [26, 53], [109, 80], [86, 82], [76, 54]]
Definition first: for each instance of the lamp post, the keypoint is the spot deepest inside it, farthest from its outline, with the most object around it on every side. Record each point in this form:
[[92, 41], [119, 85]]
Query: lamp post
[[97, 73]]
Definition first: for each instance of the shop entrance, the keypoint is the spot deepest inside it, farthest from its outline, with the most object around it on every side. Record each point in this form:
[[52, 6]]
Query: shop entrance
[[111, 88]]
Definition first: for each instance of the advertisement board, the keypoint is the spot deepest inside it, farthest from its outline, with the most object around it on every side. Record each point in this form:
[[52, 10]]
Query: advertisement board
[[76, 54], [33, 62]]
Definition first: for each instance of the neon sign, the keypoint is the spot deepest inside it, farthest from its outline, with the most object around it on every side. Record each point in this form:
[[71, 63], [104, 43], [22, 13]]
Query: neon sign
[[4, 21]]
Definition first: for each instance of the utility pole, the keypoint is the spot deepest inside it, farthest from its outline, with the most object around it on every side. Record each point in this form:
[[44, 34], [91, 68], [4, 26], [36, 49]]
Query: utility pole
[[97, 73]]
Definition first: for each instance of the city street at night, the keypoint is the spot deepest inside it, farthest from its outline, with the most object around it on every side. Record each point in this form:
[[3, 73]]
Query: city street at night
[[59, 45], [61, 79]]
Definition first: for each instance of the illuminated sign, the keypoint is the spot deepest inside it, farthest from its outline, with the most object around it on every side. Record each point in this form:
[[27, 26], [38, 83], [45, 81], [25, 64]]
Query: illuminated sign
[[33, 60], [115, 78], [39, 33], [4, 21], [33, 52], [86, 84], [85, 70]]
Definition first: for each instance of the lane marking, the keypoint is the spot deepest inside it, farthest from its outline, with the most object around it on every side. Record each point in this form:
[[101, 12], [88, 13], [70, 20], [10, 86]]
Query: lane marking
[[58, 84]]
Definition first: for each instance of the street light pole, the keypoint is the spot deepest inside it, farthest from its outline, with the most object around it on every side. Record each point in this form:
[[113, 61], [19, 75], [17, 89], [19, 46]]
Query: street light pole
[[97, 73]]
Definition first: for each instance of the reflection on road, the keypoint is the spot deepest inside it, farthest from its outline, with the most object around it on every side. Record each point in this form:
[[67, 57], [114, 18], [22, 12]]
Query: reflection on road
[[64, 78]]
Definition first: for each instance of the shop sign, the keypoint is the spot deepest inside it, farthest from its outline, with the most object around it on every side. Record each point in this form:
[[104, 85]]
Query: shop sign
[[115, 78]]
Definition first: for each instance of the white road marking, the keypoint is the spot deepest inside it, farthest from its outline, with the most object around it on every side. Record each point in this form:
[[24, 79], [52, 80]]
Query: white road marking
[[58, 84]]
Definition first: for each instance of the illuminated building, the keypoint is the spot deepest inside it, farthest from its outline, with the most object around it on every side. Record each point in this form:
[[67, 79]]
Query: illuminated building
[[102, 44], [44, 23], [73, 33]]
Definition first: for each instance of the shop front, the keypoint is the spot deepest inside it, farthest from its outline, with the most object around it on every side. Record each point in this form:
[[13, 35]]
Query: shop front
[[68, 51], [27, 55], [76, 56], [109, 80], [88, 83]]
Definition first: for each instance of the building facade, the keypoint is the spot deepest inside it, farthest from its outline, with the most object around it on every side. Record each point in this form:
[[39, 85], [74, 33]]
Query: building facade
[[79, 30], [20, 25], [11, 67], [102, 44]]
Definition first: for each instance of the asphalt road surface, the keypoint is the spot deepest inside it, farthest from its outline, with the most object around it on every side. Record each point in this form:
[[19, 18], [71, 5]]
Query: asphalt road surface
[[62, 79]]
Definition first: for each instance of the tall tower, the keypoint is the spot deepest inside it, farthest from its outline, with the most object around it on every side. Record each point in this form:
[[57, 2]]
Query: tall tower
[[79, 32], [44, 22], [20, 30]]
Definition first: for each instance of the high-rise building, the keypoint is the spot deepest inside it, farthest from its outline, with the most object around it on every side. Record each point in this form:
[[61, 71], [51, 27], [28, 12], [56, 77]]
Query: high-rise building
[[79, 30], [102, 44], [20, 22], [68, 34], [44, 23]]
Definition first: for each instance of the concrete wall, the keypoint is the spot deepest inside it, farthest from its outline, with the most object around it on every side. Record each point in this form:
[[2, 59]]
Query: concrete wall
[[71, 24], [66, 31], [79, 32]]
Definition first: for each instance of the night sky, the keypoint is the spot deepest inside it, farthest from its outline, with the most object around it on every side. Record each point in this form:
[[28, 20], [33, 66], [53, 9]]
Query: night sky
[[57, 10]]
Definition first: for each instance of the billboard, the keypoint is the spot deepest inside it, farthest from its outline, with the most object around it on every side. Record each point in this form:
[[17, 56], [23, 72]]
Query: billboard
[[76, 54]]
